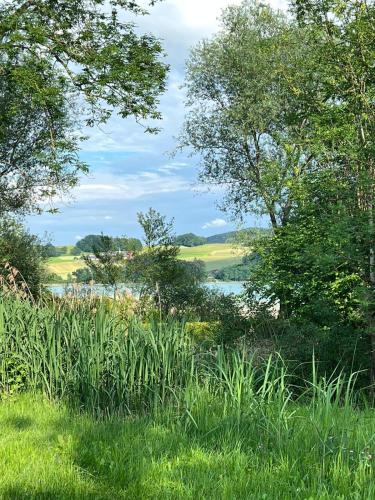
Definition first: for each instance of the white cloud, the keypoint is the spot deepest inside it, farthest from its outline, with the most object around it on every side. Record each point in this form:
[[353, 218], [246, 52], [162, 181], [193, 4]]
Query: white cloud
[[78, 237], [172, 167], [129, 187], [204, 14], [108, 217], [215, 223]]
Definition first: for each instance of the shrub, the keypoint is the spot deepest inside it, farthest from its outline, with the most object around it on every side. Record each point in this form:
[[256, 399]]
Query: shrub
[[24, 254], [203, 331]]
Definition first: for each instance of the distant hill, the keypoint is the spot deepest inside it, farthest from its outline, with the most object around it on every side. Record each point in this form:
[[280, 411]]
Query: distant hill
[[192, 240], [231, 235]]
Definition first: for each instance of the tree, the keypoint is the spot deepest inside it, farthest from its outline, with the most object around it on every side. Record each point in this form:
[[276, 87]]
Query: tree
[[90, 243], [93, 242], [128, 244], [50, 250], [107, 265], [343, 34], [22, 257], [169, 281], [83, 275], [60, 60], [155, 266], [190, 240], [75, 251], [249, 91]]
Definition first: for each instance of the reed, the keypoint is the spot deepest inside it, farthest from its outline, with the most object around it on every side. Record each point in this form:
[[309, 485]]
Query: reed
[[101, 362]]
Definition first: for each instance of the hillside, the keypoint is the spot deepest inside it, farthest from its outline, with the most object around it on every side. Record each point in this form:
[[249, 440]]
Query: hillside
[[231, 235], [215, 255]]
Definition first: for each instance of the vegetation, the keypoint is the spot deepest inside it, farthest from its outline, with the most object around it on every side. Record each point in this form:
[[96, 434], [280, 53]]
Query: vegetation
[[48, 71], [238, 272], [203, 422], [190, 240], [95, 243], [289, 132], [319, 450], [169, 282], [22, 258], [185, 392], [107, 264], [215, 257]]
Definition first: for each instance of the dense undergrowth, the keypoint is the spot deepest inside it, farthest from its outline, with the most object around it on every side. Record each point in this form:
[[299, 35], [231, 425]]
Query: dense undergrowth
[[202, 421]]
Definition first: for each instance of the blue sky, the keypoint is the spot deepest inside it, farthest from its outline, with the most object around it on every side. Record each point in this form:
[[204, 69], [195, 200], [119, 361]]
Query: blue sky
[[131, 171]]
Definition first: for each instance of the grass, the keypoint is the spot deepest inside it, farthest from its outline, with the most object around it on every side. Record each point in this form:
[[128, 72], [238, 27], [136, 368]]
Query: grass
[[216, 256], [50, 451], [64, 265], [99, 405]]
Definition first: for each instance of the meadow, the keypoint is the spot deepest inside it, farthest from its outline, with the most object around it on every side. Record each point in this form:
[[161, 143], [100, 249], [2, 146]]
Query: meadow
[[96, 404], [215, 256]]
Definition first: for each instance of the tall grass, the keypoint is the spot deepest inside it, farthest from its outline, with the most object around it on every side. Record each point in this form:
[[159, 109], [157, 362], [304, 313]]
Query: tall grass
[[91, 356], [212, 423]]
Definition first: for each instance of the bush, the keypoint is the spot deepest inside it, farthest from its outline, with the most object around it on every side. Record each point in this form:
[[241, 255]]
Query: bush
[[24, 254], [203, 331], [226, 310]]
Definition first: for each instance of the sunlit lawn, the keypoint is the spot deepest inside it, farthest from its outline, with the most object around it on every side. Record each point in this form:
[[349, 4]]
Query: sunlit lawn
[[49, 452]]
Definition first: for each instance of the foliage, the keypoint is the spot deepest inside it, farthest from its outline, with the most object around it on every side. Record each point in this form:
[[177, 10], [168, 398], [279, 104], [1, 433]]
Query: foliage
[[107, 265], [23, 252], [247, 93], [282, 113], [190, 240], [83, 275], [237, 272], [75, 251], [54, 278], [52, 251], [313, 267], [233, 236], [203, 332], [58, 57], [94, 242], [167, 280], [225, 311]]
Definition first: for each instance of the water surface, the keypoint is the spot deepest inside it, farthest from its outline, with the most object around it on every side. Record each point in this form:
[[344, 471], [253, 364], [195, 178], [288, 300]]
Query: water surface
[[226, 287]]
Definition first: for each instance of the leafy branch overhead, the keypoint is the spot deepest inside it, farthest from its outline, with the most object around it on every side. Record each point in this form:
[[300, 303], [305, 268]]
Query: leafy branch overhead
[[61, 60]]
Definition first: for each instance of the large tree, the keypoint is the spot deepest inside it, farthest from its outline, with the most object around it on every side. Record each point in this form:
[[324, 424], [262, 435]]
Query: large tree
[[59, 60], [249, 91], [343, 33]]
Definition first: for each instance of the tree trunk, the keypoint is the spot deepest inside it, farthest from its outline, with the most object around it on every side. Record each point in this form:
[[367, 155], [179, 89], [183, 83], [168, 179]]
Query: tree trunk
[[371, 317]]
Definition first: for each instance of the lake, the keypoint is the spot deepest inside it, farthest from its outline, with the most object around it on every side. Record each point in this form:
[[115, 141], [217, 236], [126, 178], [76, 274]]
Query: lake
[[227, 287]]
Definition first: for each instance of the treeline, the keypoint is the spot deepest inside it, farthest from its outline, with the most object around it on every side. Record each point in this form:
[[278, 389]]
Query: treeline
[[192, 240], [238, 272], [95, 242]]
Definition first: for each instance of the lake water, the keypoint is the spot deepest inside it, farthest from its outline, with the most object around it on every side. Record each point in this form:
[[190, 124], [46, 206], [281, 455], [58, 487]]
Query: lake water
[[227, 287]]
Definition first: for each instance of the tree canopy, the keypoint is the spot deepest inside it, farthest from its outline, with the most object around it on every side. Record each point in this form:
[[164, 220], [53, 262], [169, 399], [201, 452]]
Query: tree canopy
[[61, 60], [190, 240], [248, 93], [94, 243]]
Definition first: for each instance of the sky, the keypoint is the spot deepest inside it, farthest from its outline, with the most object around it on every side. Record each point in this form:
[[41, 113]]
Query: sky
[[131, 171]]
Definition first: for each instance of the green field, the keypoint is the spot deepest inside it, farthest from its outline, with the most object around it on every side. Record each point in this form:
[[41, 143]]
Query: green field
[[64, 265], [215, 255]]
